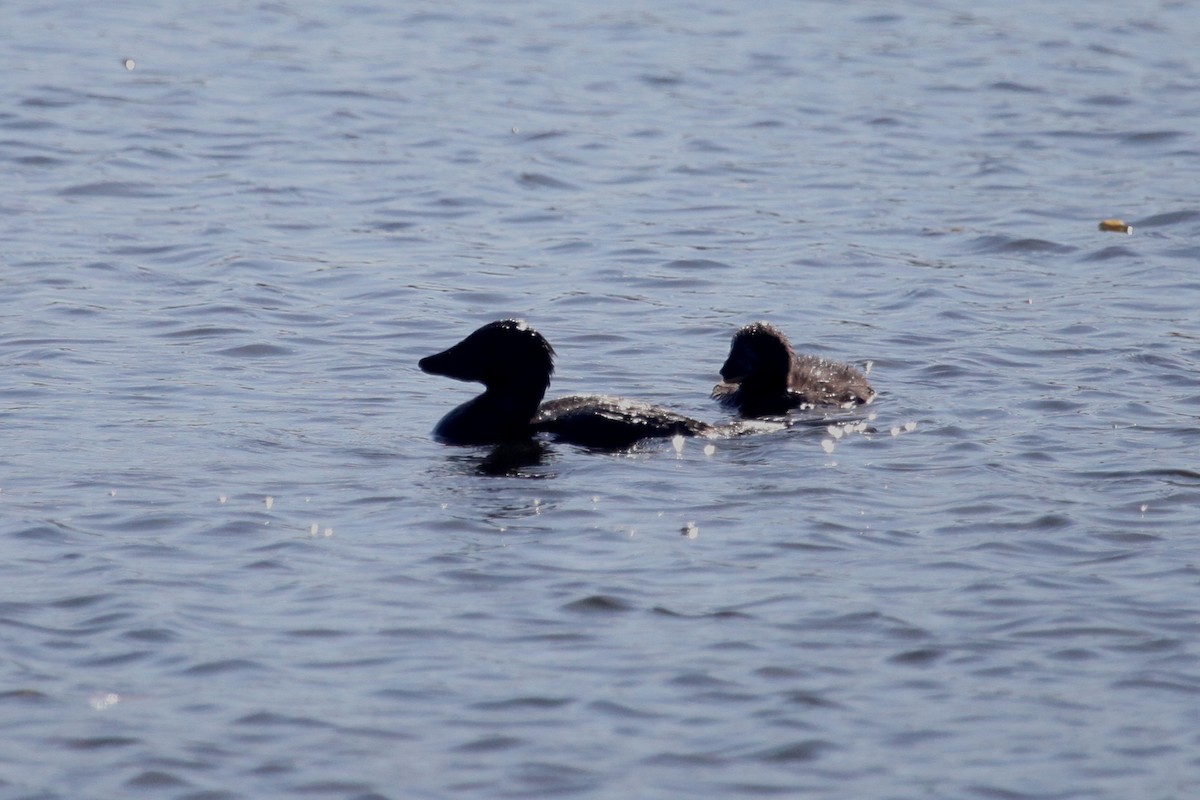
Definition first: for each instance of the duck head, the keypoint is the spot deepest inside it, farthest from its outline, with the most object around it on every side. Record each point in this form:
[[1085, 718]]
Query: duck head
[[759, 350], [505, 352]]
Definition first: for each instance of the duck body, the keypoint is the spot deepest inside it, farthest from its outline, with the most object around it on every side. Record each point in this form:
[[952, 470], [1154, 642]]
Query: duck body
[[612, 422], [764, 376], [514, 363]]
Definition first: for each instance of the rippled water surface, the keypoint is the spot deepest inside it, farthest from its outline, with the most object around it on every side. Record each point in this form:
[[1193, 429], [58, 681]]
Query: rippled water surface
[[234, 564]]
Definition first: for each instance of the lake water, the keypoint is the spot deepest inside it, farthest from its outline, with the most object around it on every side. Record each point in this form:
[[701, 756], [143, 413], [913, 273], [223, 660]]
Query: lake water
[[234, 563]]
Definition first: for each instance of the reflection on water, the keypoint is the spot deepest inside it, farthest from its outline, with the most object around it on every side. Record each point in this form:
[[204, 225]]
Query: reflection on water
[[510, 460]]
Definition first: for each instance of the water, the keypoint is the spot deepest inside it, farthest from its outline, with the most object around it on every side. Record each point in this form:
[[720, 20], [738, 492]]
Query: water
[[235, 565]]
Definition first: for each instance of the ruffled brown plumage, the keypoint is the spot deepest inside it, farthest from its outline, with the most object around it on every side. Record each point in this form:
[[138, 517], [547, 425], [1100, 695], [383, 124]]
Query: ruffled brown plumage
[[764, 376]]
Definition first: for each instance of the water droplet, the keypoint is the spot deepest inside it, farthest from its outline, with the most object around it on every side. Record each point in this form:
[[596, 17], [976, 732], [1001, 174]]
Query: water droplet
[[104, 700]]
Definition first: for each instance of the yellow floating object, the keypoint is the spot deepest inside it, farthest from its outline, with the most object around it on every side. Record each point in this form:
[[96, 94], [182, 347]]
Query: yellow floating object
[[1115, 226]]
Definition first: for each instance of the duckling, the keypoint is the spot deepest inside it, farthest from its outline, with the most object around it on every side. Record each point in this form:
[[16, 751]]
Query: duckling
[[514, 363], [764, 376]]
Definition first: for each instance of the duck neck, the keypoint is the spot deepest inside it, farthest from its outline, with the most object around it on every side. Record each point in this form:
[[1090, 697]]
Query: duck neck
[[512, 404], [761, 396], [500, 414], [765, 385]]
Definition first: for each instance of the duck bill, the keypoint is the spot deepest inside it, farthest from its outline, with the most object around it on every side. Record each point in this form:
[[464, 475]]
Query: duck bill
[[732, 372], [445, 363]]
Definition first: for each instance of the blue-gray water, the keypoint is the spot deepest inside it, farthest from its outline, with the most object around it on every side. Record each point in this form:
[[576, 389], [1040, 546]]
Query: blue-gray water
[[233, 563]]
